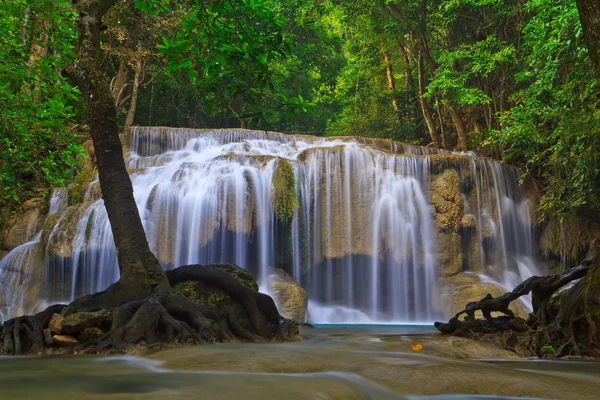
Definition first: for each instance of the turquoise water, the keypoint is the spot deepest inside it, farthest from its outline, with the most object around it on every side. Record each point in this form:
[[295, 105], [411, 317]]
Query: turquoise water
[[408, 327]]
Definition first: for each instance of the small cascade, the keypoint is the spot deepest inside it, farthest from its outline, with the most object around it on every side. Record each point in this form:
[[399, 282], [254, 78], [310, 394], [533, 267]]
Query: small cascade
[[380, 227], [20, 279], [22, 270], [506, 231]]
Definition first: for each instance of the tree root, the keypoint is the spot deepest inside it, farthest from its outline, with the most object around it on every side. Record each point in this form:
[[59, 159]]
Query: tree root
[[162, 318], [556, 328]]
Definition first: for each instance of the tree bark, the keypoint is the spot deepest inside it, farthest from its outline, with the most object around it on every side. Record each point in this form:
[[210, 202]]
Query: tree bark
[[140, 271], [389, 72], [134, 93], [589, 14], [427, 114], [25, 30]]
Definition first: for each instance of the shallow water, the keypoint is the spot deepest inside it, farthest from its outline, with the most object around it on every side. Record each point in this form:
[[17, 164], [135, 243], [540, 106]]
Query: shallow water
[[338, 362]]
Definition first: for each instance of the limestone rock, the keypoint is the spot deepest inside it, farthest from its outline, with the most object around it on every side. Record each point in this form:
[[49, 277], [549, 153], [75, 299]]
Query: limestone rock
[[291, 299], [65, 340], [77, 322], [60, 230], [465, 288], [468, 222], [90, 334], [56, 324], [24, 225], [448, 211]]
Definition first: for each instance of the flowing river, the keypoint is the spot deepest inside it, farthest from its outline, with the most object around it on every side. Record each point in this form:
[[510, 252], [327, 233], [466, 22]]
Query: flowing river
[[331, 363]]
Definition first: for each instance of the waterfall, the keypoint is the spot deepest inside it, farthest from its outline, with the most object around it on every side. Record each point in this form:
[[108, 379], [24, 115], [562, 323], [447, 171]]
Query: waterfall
[[365, 239]]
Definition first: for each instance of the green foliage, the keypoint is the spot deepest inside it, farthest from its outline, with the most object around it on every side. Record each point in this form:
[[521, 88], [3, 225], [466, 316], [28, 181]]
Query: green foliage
[[550, 349], [37, 149], [515, 72], [553, 126], [285, 198]]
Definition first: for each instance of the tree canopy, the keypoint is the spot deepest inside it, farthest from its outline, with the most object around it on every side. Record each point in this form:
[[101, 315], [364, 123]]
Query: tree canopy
[[509, 79]]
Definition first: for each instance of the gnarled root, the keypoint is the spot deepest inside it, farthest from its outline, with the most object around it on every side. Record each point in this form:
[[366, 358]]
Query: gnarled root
[[165, 317]]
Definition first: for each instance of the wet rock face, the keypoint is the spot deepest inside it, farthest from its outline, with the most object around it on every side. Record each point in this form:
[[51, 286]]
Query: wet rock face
[[291, 299], [465, 288], [572, 239], [26, 222], [60, 230], [448, 210]]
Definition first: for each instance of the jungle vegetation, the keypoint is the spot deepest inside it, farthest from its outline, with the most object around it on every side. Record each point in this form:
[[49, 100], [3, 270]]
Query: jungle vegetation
[[509, 79]]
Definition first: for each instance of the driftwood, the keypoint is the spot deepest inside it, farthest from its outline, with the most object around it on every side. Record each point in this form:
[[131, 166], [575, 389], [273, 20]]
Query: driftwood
[[542, 288]]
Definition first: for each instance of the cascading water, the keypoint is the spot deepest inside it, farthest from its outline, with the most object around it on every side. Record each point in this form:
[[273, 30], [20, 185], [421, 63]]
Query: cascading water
[[363, 241]]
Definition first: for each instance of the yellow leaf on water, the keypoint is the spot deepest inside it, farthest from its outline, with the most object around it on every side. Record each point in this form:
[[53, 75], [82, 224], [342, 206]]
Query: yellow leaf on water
[[415, 346]]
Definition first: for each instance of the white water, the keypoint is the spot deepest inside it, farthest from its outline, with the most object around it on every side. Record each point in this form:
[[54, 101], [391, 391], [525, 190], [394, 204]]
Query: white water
[[363, 240]]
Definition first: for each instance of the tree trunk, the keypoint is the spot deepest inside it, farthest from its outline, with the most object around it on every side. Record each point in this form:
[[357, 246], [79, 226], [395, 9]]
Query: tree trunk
[[25, 30], [589, 13], [142, 307], [140, 271], [39, 50], [408, 72], [420, 42], [427, 114], [134, 93], [389, 72], [121, 85]]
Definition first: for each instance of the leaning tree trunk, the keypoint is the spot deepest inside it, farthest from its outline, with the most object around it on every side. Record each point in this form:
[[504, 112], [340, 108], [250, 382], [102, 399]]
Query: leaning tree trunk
[[146, 306], [140, 271], [589, 13]]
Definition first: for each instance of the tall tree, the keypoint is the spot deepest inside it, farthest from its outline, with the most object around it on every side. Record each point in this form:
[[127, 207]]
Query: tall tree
[[142, 304], [589, 13]]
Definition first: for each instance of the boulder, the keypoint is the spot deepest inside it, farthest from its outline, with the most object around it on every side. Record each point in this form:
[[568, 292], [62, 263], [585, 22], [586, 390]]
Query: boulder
[[65, 340], [26, 222], [56, 324], [90, 334], [77, 322], [464, 288], [291, 299]]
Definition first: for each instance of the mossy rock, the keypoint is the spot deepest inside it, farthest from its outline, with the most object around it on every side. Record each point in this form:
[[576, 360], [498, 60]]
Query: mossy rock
[[90, 334], [210, 295], [78, 322], [284, 196]]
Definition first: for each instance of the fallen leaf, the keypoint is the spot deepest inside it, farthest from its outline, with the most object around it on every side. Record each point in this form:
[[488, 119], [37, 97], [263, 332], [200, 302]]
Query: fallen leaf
[[415, 346]]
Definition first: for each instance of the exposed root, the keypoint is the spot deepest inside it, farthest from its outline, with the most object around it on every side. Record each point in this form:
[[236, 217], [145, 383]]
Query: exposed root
[[162, 318], [558, 327]]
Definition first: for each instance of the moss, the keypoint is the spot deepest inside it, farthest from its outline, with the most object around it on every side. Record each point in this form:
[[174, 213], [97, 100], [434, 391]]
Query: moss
[[82, 181], [284, 196]]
